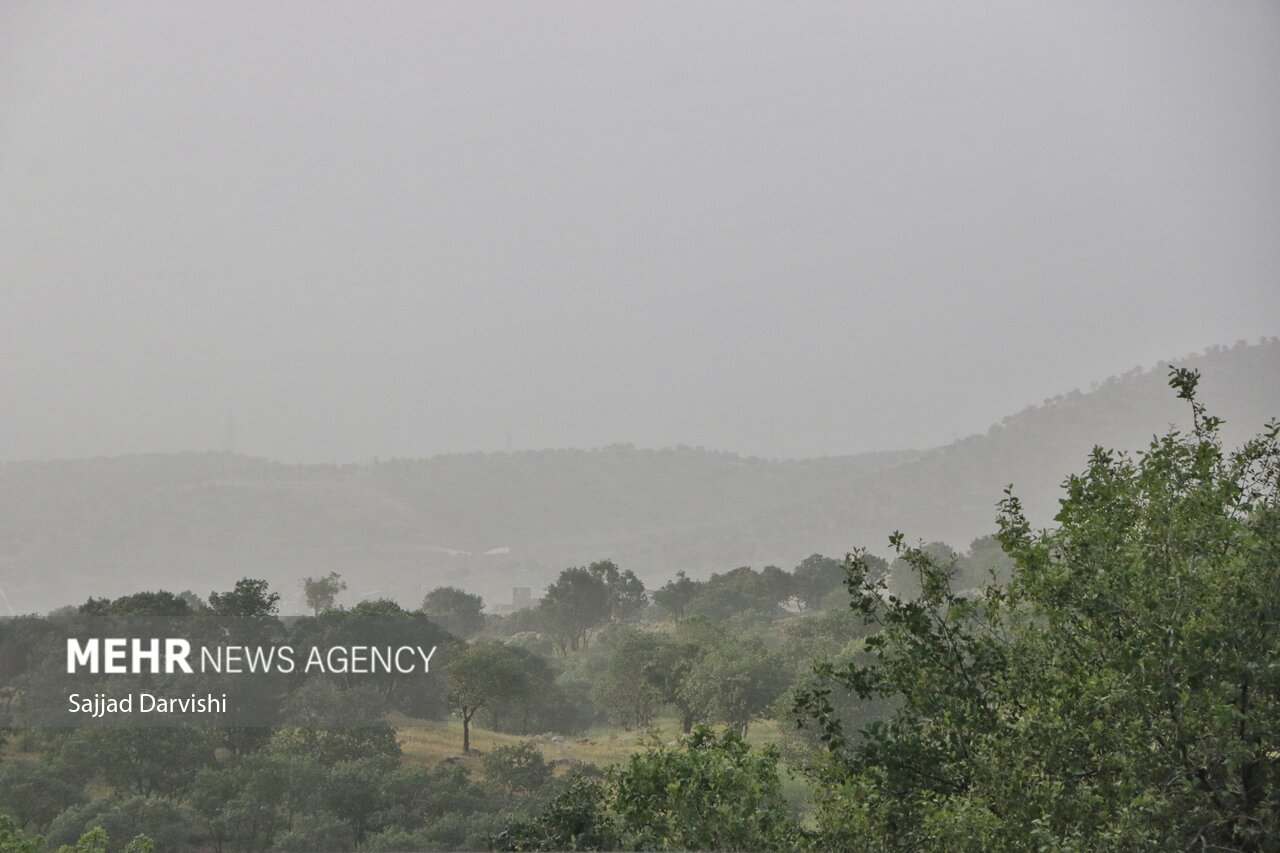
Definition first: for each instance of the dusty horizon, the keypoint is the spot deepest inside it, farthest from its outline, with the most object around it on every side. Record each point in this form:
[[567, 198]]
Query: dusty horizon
[[322, 234]]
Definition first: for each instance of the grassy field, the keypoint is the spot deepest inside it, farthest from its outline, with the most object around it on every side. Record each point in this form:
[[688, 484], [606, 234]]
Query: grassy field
[[428, 742]]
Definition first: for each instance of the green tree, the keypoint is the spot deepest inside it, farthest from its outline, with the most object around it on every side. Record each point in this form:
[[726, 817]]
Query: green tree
[[147, 762], [93, 841], [383, 622], [531, 700], [150, 614], [576, 819], [245, 805], [734, 682], [33, 794], [626, 592], [777, 585], [352, 792], [710, 793], [518, 768], [321, 593], [578, 601], [624, 689], [326, 724], [23, 640], [482, 675], [668, 672], [247, 614], [904, 577], [983, 564], [1121, 693], [742, 590], [817, 577], [103, 825], [674, 596], [321, 830], [13, 840], [458, 612]]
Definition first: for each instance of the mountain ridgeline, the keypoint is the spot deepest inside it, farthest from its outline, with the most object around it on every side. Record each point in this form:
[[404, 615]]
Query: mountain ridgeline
[[488, 522]]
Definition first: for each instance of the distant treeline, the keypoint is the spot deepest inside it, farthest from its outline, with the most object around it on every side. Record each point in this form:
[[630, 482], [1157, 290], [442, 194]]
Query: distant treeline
[[597, 650]]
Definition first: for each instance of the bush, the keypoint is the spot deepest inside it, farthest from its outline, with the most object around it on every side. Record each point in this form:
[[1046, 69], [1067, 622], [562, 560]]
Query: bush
[[710, 793]]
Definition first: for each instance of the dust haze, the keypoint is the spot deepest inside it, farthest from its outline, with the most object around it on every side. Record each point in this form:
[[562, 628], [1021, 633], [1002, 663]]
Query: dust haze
[[325, 232]]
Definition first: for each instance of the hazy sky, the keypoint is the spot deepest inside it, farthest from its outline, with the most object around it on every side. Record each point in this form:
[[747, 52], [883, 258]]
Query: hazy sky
[[380, 229]]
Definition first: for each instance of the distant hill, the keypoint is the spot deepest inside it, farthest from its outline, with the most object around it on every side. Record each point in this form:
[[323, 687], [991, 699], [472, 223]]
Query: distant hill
[[199, 521]]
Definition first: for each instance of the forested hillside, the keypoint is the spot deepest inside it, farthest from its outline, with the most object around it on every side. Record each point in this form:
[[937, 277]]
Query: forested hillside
[[400, 527]]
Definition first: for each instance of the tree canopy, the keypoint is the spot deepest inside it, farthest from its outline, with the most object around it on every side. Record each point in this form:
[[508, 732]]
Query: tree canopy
[[458, 612], [321, 593], [1122, 692], [578, 601]]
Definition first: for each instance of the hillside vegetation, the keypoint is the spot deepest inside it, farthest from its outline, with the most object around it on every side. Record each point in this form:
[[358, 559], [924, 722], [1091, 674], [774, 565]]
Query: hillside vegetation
[[400, 527]]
